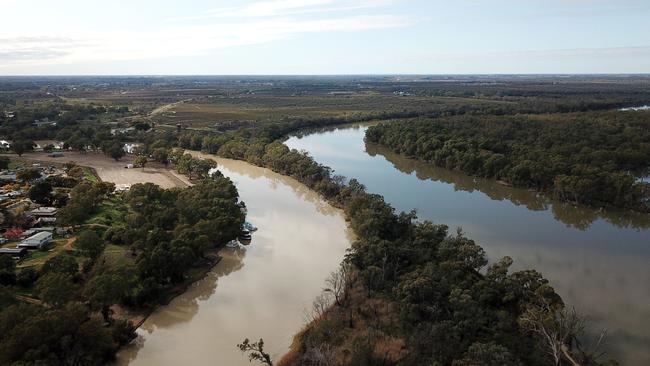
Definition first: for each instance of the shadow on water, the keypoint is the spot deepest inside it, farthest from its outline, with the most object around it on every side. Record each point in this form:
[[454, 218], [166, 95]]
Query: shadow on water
[[184, 307], [574, 216]]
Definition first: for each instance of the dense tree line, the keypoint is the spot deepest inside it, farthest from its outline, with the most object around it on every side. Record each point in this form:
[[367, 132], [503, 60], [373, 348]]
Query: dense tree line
[[584, 158]]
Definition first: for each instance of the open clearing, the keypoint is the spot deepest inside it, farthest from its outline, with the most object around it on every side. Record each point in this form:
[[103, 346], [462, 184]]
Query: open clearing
[[113, 171]]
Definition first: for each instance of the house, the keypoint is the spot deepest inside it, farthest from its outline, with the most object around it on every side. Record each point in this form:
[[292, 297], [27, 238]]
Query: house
[[45, 220], [36, 230], [44, 211], [130, 148], [16, 253], [44, 122], [36, 241], [7, 176], [116, 131]]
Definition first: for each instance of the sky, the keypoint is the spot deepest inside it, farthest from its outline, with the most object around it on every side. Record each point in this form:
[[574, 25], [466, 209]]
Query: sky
[[315, 37]]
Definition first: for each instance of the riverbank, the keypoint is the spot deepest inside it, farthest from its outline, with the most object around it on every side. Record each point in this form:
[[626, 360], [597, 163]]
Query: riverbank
[[139, 316]]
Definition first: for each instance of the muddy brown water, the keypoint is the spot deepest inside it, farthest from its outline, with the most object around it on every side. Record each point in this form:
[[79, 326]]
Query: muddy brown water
[[258, 291]]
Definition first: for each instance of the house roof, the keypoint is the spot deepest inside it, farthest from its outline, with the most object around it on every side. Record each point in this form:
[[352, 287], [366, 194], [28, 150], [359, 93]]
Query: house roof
[[40, 236], [44, 210], [12, 250]]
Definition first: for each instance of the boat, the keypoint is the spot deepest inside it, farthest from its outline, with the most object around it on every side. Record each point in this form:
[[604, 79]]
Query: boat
[[249, 227]]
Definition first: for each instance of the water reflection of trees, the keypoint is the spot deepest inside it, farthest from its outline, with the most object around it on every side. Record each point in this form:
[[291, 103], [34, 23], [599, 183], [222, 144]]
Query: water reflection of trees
[[277, 180], [186, 306], [574, 216]]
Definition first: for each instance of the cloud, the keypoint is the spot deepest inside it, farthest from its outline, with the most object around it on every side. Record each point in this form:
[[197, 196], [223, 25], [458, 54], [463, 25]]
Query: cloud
[[266, 21], [278, 8], [177, 41]]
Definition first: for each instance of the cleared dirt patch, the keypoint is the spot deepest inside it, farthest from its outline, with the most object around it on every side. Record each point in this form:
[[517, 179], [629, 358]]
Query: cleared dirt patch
[[113, 171]]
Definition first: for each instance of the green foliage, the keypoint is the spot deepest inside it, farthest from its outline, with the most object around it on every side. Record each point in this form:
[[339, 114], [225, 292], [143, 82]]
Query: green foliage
[[28, 175], [85, 199], [90, 244], [32, 335], [22, 146], [62, 263], [114, 149], [106, 289], [169, 231], [140, 161], [56, 288], [41, 192], [7, 270]]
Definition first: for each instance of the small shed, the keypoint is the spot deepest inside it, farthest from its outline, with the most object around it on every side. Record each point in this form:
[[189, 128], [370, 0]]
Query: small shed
[[16, 253], [44, 211]]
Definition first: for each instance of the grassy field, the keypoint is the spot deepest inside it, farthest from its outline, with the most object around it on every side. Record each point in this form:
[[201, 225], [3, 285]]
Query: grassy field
[[214, 111], [110, 213]]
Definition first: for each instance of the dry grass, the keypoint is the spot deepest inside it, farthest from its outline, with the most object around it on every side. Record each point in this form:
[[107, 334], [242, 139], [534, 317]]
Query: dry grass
[[359, 320]]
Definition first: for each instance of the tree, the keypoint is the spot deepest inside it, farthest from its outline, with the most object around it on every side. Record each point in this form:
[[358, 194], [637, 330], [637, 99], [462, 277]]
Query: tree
[[255, 351], [22, 146], [141, 161], [55, 289], [558, 330], [26, 277], [70, 337], [41, 192], [4, 162], [90, 244], [115, 150], [7, 270], [28, 175], [105, 290], [339, 282], [62, 263], [161, 155]]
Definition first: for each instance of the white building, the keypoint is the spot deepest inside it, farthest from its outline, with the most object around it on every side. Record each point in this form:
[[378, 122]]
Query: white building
[[36, 241]]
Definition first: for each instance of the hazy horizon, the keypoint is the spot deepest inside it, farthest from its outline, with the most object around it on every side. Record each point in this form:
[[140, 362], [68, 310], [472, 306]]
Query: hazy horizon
[[324, 37]]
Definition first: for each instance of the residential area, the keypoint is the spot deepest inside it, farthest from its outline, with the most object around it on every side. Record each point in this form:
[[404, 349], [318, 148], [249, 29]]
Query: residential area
[[29, 232]]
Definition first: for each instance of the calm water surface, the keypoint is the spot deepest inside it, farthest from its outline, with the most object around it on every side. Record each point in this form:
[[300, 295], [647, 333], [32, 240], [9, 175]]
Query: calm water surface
[[258, 291], [598, 261]]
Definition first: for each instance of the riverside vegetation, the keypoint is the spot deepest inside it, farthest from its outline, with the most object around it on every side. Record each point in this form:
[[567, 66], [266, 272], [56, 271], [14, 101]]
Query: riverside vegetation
[[408, 293]]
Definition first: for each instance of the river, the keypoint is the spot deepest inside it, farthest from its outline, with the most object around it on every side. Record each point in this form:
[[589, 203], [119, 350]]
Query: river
[[598, 261], [261, 290]]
